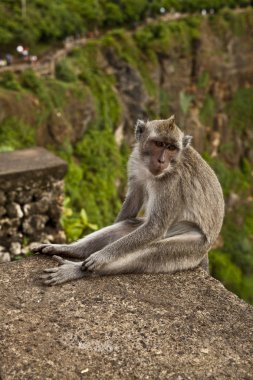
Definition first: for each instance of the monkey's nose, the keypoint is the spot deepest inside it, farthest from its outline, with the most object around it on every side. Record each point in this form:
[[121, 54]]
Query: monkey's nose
[[161, 160]]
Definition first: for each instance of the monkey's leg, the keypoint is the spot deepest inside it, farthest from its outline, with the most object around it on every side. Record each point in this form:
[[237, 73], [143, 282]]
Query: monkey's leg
[[83, 248], [170, 254]]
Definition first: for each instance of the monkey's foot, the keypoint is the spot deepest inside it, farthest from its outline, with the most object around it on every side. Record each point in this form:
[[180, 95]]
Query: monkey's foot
[[66, 271], [95, 262], [50, 249]]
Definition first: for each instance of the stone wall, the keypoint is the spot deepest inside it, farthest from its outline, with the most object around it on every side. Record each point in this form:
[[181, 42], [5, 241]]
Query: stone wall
[[31, 199]]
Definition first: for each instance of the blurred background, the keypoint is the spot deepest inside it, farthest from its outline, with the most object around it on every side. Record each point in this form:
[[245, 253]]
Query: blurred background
[[75, 75]]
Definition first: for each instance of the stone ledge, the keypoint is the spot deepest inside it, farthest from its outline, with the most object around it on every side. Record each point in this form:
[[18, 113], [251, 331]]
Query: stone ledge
[[30, 163], [180, 326]]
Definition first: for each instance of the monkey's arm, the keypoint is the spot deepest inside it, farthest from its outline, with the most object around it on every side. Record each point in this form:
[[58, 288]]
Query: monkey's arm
[[154, 228], [132, 203]]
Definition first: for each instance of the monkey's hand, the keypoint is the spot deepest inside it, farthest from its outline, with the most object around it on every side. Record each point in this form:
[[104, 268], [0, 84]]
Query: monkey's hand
[[49, 249], [66, 271], [96, 261]]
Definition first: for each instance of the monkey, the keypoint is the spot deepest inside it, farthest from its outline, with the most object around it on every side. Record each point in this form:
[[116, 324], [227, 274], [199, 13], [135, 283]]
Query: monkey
[[183, 206]]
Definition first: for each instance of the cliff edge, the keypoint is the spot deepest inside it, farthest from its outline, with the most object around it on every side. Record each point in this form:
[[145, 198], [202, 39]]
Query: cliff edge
[[181, 326]]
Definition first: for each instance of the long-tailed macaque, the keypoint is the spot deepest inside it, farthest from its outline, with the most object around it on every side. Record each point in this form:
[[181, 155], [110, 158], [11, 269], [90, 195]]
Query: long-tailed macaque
[[183, 213]]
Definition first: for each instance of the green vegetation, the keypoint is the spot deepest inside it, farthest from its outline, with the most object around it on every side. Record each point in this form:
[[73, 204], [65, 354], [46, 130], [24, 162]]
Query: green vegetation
[[42, 22], [54, 108], [75, 224], [185, 101], [16, 134], [241, 111], [207, 111]]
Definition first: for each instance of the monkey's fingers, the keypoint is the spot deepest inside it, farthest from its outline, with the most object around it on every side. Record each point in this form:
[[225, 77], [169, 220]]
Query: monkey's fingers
[[91, 264], [38, 248], [51, 278], [59, 259], [50, 282], [87, 263], [46, 276], [51, 270]]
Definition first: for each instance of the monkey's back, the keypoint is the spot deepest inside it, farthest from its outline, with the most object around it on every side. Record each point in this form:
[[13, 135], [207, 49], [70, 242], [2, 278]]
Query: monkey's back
[[202, 195]]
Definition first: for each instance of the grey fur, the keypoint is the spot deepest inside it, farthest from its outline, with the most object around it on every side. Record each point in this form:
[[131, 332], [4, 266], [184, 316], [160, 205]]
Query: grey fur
[[183, 207]]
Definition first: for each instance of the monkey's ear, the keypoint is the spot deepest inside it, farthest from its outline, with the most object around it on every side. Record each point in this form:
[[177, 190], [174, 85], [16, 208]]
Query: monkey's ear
[[139, 129], [187, 139]]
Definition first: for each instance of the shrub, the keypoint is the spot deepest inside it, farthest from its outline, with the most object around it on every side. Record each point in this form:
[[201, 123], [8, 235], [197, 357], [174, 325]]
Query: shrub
[[65, 72]]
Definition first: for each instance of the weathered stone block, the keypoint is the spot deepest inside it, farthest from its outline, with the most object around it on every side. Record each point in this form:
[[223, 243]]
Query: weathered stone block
[[166, 326], [31, 199]]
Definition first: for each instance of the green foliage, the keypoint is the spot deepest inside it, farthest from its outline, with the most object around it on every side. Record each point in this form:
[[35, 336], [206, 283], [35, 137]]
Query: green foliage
[[65, 72], [16, 134], [240, 110], [162, 37], [75, 225], [164, 102], [125, 48], [228, 22], [233, 263], [235, 179], [30, 81], [203, 80], [101, 165], [224, 270], [102, 87], [8, 80], [54, 20], [185, 101], [207, 111]]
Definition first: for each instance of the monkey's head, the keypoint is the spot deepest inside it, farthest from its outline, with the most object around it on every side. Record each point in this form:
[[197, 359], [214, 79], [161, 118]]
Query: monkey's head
[[161, 144]]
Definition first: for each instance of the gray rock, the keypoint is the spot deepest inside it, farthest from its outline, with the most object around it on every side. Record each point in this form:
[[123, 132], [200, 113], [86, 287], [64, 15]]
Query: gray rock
[[23, 197], [2, 211], [34, 223], [9, 222], [2, 198], [4, 257], [11, 196], [14, 210], [15, 248], [27, 208], [6, 185], [39, 207], [43, 204]]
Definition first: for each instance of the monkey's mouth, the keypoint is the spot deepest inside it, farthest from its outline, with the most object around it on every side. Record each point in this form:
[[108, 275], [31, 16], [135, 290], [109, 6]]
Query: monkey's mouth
[[157, 171]]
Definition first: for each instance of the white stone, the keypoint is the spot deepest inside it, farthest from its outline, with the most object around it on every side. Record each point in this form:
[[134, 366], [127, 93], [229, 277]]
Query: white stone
[[15, 248], [14, 210], [5, 257]]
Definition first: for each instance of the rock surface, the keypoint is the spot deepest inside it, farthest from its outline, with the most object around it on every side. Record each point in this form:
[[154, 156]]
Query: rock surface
[[181, 326]]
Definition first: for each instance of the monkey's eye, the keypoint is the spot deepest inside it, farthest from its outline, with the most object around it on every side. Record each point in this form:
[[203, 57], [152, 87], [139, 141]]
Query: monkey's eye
[[160, 144], [171, 147]]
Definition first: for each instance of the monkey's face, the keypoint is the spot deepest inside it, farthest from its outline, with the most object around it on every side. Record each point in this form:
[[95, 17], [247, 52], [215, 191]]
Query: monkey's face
[[161, 144], [160, 156]]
